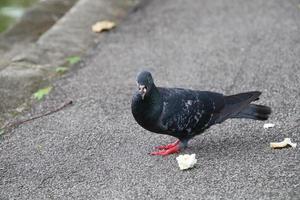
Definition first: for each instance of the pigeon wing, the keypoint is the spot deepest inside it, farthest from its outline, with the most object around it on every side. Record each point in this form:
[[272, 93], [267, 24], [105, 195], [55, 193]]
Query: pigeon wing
[[186, 112]]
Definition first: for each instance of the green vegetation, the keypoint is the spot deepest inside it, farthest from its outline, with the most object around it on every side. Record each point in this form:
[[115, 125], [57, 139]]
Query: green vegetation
[[20, 3], [61, 70], [11, 10], [42, 92], [73, 60]]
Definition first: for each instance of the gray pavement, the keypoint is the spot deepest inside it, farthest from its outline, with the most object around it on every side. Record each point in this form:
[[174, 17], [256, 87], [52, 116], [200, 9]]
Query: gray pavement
[[32, 59], [95, 150]]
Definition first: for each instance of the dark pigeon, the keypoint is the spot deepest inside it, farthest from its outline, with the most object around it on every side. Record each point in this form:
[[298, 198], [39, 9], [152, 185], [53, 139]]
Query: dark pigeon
[[185, 113]]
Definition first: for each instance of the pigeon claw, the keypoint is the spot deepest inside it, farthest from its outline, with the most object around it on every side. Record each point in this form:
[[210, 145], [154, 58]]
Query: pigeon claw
[[164, 152], [168, 146]]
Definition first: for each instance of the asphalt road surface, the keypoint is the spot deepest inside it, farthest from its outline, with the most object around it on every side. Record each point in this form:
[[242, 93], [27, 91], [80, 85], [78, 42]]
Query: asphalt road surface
[[95, 150]]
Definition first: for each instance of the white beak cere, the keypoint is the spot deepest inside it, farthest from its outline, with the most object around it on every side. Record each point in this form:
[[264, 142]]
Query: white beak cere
[[142, 90]]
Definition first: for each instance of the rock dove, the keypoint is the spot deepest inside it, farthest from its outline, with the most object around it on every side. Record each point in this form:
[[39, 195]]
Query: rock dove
[[185, 113]]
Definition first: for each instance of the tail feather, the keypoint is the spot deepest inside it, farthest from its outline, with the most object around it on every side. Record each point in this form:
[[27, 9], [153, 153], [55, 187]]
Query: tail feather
[[242, 97], [256, 112], [239, 106]]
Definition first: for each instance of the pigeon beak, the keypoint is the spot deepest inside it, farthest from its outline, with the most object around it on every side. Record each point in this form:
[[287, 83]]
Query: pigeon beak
[[142, 91]]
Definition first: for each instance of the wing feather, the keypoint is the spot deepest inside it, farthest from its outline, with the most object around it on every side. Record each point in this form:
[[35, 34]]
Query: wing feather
[[188, 112]]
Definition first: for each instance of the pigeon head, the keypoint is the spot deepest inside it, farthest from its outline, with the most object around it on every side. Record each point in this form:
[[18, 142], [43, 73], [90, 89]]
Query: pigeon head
[[145, 83]]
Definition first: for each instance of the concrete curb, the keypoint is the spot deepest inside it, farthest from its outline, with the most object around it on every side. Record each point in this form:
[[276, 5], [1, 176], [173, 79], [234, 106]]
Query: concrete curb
[[71, 35]]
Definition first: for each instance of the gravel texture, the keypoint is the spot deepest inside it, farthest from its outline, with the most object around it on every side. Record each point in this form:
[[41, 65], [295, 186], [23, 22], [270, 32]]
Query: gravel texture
[[95, 150]]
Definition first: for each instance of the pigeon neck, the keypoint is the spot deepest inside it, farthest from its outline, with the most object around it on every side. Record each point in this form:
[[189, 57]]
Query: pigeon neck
[[147, 111], [154, 102], [154, 95]]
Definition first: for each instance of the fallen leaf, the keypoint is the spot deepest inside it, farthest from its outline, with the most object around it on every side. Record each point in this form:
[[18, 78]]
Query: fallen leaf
[[186, 161], [284, 144], [61, 70], [73, 60], [103, 26], [42, 92], [268, 125]]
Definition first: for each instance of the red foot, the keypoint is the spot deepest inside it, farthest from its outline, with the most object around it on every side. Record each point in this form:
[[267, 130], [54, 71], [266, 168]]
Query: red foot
[[168, 146], [164, 152]]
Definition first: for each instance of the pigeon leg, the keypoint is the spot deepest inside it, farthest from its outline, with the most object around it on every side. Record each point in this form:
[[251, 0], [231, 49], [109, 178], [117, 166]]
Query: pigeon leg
[[164, 152], [168, 146], [175, 148]]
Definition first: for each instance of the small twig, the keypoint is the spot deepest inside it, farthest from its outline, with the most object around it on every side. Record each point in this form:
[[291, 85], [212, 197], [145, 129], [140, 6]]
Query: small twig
[[17, 123]]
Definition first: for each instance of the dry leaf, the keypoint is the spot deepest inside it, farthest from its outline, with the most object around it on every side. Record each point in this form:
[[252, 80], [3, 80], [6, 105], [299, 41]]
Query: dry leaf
[[103, 26], [285, 143]]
